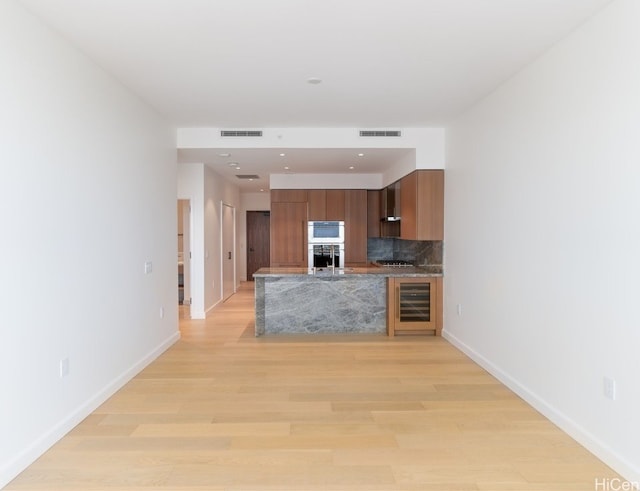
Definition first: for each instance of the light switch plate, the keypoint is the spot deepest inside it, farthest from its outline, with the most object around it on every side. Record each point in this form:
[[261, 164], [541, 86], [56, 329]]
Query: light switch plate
[[609, 388], [64, 367]]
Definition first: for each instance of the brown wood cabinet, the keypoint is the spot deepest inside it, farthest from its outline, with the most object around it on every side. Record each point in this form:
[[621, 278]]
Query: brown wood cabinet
[[389, 229], [373, 213], [355, 227], [288, 234], [414, 306], [422, 205], [317, 201], [418, 198], [326, 204], [288, 195]]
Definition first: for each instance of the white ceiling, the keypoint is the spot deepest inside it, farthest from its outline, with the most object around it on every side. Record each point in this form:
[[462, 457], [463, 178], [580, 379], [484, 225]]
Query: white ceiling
[[245, 63], [266, 161]]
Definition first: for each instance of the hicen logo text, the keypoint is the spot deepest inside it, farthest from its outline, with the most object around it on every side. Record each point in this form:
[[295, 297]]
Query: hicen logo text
[[615, 484]]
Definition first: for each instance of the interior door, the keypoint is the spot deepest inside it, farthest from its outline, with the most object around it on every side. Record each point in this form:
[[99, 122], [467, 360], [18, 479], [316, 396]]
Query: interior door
[[228, 251], [258, 236], [184, 247]]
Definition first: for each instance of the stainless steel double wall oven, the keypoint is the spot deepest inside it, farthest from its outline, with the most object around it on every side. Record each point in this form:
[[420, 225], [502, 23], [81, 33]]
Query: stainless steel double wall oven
[[326, 244]]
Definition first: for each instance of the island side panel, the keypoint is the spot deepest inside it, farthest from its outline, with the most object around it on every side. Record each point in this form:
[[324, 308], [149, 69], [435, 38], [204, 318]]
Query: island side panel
[[259, 303], [319, 305]]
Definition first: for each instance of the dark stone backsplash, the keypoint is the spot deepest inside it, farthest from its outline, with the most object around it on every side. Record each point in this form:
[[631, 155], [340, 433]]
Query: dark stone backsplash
[[419, 252]]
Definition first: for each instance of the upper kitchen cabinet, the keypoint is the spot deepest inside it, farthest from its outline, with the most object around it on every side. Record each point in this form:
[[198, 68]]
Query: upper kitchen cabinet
[[326, 204], [355, 227], [422, 205], [288, 195], [373, 213]]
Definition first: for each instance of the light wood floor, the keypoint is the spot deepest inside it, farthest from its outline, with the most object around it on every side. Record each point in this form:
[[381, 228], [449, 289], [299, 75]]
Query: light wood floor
[[222, 410]]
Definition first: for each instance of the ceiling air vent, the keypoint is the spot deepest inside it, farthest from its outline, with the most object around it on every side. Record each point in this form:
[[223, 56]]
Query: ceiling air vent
[[241, 133], [380, 133], [247, 176]]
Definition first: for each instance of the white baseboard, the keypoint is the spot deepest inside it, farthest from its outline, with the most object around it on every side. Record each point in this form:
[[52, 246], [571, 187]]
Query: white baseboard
[[197, 314], [202, 314], [26, 457], [594, 445], [213, 307]]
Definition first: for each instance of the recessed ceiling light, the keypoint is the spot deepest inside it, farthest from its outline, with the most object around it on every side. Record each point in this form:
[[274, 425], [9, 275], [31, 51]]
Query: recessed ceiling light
[[233, 164], [224, 154], [282, 155], [314, 80], [351, 167], [360, 155], [286, 168]]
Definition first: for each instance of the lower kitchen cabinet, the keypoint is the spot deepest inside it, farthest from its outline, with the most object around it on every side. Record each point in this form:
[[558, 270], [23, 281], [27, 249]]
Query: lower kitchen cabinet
[[414, 306]]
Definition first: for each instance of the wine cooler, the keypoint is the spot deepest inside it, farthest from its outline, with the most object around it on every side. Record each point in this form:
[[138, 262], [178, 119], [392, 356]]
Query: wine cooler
[[413, 306]]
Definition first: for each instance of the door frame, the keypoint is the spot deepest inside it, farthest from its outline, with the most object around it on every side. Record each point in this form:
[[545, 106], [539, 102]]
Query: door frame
[[187, 234], [223, 252]]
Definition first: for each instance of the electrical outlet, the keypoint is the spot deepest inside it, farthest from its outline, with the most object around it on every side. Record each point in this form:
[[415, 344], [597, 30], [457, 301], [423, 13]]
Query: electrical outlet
[[459, 309], [162, 312], [64, 367], [609, 388], [148, 267]]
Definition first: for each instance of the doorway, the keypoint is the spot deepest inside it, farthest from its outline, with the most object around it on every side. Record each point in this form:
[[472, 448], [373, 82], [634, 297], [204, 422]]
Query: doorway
[[228, 250], [184, 253], [258, 238]]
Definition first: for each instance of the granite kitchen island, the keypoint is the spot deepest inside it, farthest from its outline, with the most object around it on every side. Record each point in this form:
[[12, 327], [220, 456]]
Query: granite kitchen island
[[348, 300]]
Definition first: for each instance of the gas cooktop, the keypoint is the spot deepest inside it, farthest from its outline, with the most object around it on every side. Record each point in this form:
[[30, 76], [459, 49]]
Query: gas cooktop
[[394, 263]]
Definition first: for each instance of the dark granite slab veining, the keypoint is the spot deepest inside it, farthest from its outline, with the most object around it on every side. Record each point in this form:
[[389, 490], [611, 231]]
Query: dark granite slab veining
[[313, 305], [419, 252]]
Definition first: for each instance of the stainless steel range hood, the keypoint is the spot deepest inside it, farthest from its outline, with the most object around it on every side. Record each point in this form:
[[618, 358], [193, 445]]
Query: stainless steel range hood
[[390, 203]]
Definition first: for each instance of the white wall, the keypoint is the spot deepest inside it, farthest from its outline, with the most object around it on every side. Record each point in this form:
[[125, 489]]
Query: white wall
[[206, 189], [216, 190], [87, 195], [428, 143], [327, 181], [542, 236], [191, 187]]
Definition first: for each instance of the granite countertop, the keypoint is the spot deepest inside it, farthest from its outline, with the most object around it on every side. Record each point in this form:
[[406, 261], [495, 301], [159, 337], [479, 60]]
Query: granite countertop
[[417, 271]]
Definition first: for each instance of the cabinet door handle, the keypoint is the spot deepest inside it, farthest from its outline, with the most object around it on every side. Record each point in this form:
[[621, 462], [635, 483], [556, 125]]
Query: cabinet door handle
[[398, 302]]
